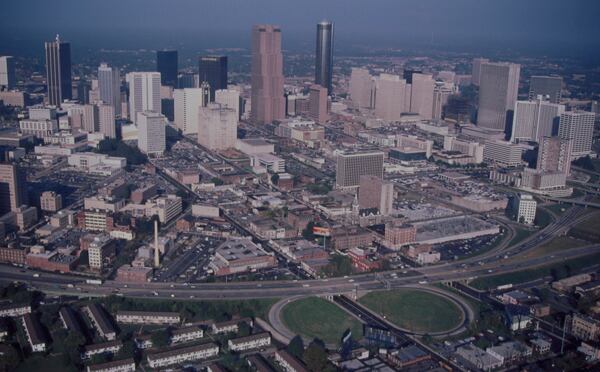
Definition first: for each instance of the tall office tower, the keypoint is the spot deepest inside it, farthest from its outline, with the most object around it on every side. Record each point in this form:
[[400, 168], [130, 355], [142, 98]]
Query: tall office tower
[[324, 56], [441, 94], [187, 80], [206, 93], [58, 71], [534, 120], [317, 104], [217, 127], [408, 75], [83, 91], [106, 120], [595, 108], [498, 92], [109, 85], [389, 93], [268, 102], [550, 86], [13, 188], [7, 72], [578, 126], [166, 64], [229, 98], [554, 155], [421, 96], [187, 105], [84, 117], [476, 71], [375, 194], [144, 93], [213, 70], [350, 166], [151, 132], [361, 84]]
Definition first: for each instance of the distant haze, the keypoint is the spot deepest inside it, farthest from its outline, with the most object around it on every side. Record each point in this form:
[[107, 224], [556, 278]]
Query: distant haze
[[552, 26]]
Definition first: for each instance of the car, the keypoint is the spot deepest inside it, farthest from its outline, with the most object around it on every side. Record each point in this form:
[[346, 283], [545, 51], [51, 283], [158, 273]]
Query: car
[[36, 275]]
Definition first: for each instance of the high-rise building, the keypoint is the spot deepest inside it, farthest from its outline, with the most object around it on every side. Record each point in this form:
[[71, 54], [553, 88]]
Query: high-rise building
[[109, 85], [374, 194], [525, 207], [360, 87], [187, 80], [58, 71], [318, 104], [476, 71], [421, 96], [206, 94], [554, 155], [441, 94], [389, 102], [84, 117], [144, 93], [167, 65], [213, 70], [578, 126], [268, 102], [324, 56], [106, 120], [350, 166], [229, 98], [217, 127], [7, 72], [535, 119], [151, 132], [83, 91], [408, 75], [13, 188], [187, 105], [546, 86], [498, 93]]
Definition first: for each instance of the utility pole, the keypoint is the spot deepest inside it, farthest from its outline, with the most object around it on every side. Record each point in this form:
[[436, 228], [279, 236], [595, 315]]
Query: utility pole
[[562, 344]]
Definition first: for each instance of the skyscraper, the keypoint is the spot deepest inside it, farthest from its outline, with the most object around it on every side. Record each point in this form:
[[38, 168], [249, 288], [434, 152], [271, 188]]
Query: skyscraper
[[213, 70], [106, 120], [151, 132], [389, 102], [360, 87], [229, 98], [109, 85], [324, 56], [187, 105], [408, 75], [578, 126], [498, 92], [166, 64], [144, 93], [550, 86], [350, 166], [13, 190], [217, 127], [318, 104], [7, 72], [554, 155], [534, 120], [441, 94], [375, 194], [476, 71], [421, 96], [268, 102], [58, 71]]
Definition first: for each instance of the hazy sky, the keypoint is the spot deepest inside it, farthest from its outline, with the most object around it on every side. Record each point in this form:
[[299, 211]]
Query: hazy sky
[[558, 24]]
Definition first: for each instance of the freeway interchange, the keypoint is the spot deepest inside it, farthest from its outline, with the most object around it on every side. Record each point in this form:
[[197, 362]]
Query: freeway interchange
[[496, 261]]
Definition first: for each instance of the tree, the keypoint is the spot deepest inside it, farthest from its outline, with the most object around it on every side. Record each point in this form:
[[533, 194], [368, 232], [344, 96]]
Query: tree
[[160, 338], [274, 179], [10, 358], [244, 329], [307, 233], [296, 347], [84, 258], [315, 356], [217, 181]]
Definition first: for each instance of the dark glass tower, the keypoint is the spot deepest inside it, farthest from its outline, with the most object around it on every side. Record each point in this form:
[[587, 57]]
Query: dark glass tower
[[58, 71], [166, 64], [324, 55], [213, 70]]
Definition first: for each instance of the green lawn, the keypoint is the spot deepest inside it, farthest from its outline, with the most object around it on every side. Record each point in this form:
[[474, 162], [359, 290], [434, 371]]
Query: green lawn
[[418, 311], [561, 269], [557, 244], [315, 317], [37, 362], [559, 209], [520, 235], [542, 218]]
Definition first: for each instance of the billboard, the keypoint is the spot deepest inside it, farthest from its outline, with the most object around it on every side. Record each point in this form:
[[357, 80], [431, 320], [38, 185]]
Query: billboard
[[321, 231]]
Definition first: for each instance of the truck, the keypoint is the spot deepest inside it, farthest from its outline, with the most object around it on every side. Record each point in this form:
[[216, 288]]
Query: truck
[[94, 281]]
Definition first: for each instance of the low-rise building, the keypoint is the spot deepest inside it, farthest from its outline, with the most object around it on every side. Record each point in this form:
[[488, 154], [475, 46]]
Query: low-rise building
[[509, 352], [69, 319], [104, 348], [13, 255], [540, 346], [250, 342], [181, 355], [100, 321], [34, 332], [50, 201], [398, 234], [131, 274], [240, 255], [125, 365], [478, 358], [584, 327], [288, 362], [591, 350], [186, 334], [14, 310], [230, 326], [148, 317]]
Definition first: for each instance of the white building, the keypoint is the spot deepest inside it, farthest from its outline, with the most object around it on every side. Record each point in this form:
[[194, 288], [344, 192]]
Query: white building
[[229, 98], [98, 250], [144, 93], [181, 355], [360, 87], [187, 334], [14, 310], [7, 72], [250, 342], [503, 153], [187, 105], [253, 146], [125, 365], [106, 120], [217, 127], [498, 92], [148, 317], [38, 128], [91, 160], [476, 71], [421, 95], [471, 148], [534, 120], [151, 132], [578, 126], [166, 208], [525, 206], [272, 163], [389, 102], [109, 86]]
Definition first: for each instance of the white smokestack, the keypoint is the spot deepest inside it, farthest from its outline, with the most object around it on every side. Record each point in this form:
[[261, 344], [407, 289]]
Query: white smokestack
[[156, 253]]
